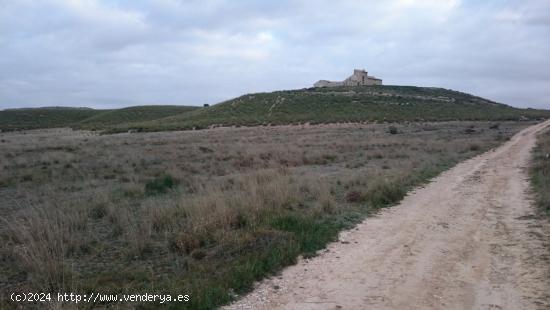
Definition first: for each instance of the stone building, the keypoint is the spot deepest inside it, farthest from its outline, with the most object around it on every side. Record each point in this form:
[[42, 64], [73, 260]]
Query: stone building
[[359, 77]]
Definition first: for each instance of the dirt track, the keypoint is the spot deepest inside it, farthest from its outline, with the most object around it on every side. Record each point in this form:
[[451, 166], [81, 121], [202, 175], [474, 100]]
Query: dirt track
[[468, 240]]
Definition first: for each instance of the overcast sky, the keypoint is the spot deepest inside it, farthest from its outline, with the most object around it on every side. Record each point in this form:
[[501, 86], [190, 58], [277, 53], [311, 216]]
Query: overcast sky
[[106, 54]]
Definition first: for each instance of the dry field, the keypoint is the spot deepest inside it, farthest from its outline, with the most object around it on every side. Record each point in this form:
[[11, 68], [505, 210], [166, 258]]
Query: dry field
[[540, 172], [204, 213]]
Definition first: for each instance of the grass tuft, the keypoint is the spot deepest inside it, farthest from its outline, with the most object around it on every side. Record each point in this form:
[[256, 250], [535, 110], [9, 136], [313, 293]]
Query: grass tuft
[[385, 193], [160, 185]]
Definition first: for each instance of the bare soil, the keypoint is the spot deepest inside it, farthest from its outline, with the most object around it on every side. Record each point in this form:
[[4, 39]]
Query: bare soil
[[468, 240]]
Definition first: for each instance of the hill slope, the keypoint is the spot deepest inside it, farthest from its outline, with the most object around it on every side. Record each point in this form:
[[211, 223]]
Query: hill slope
[[343, 104], [50, 117], [84, 118], [132, 114]]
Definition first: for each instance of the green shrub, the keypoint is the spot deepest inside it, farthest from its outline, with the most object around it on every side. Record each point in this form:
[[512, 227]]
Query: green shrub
[[474, 147], [98, 211], [159, 185], [385, 193], [392, 130]]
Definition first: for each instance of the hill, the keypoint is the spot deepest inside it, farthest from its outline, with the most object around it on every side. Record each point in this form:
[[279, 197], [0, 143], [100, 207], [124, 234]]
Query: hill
[[83, 118], [312, 105], [132, 114], [49, 117], [342, 104]]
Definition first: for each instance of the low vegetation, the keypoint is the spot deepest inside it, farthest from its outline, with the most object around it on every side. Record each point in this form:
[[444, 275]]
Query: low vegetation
[[33, 118], [58, 117], [131, 115], [313, 106], [204, 213], [341, 105], [540, 172]]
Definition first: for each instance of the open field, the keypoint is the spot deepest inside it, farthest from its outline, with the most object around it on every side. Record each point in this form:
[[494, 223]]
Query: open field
[[204, 213]]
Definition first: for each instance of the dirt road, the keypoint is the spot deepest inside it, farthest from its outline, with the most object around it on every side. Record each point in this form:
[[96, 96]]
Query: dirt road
[[468, 240]]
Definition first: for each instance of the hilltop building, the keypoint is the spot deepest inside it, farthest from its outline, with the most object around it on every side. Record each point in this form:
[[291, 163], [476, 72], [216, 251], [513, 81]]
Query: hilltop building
[[359, 77]]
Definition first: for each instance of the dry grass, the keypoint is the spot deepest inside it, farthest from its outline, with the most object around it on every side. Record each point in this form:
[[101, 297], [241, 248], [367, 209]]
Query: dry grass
[[540, 172], [80, 212]]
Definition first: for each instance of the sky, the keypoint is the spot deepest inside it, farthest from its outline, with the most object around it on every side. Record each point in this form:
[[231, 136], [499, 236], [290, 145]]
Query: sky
[[109, 54]]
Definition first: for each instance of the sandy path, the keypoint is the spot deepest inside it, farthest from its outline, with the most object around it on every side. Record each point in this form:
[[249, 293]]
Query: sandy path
[[468, 240]]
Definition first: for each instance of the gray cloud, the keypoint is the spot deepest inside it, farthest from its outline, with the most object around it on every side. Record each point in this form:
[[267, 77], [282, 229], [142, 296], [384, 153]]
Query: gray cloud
[[119, 53]]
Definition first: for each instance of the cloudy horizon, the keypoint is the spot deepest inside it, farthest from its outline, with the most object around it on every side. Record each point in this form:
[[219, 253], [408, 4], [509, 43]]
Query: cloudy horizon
[[109, 54]]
